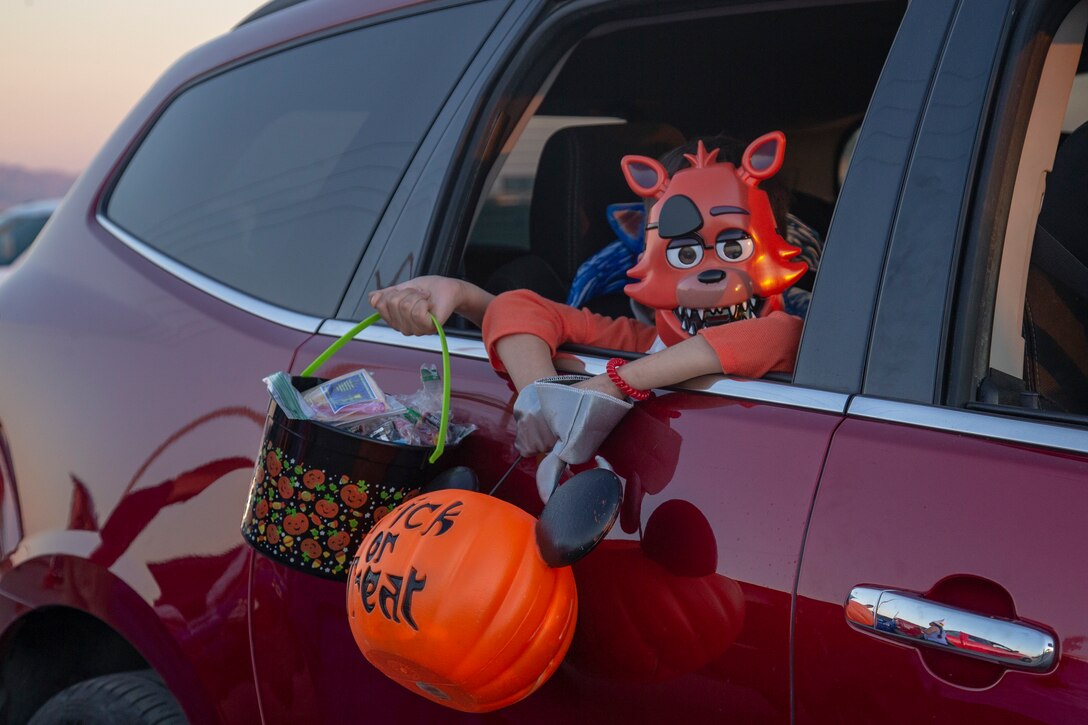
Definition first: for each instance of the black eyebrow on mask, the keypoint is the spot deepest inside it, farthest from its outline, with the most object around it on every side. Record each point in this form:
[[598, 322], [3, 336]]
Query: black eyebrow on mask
[[719, 210], [685, 242]]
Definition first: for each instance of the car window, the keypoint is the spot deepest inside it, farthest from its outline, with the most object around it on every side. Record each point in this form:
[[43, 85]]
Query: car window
[[271, 176], [1037, 357], [16, 236], [537, 224]]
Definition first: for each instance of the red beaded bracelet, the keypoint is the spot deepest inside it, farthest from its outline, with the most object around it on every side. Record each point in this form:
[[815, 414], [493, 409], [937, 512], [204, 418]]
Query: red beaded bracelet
[[610, 368]]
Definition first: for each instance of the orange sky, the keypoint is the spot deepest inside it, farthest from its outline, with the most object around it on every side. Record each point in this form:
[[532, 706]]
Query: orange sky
[[71, 69]]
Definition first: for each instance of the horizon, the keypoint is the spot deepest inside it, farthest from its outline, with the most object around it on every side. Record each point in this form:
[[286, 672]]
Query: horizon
[[55, 55]]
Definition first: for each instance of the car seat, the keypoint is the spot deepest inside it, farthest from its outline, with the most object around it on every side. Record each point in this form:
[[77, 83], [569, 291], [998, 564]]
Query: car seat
[[1056, 303], [577, 178]]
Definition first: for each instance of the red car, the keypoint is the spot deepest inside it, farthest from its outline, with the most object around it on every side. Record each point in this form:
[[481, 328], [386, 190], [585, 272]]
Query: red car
[[772, 532]]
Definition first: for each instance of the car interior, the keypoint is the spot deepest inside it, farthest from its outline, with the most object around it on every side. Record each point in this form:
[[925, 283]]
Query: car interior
[[644, 82], [1038, 356]]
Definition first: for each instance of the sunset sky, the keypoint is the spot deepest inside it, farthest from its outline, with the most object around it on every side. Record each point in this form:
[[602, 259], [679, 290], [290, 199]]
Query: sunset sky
[[71, 69]]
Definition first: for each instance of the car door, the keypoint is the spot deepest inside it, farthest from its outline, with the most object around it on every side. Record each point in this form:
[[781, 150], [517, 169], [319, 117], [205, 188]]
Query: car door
[[685, 608], [937, 576]]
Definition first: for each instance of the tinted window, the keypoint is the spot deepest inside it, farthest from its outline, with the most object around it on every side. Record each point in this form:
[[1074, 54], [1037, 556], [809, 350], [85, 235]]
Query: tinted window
[[16, 236], [271, 177]]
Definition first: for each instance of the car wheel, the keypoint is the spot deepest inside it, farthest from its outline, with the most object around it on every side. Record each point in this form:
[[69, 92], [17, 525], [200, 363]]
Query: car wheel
[[132, 698]]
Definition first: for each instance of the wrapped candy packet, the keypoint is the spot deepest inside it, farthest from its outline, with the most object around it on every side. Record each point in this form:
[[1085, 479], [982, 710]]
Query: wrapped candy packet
[[418, 416], [344, 401], [355, 403]]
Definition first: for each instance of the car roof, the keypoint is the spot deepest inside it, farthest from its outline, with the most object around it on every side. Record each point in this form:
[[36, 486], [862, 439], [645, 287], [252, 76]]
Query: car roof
[[271, 25], [267, 9]]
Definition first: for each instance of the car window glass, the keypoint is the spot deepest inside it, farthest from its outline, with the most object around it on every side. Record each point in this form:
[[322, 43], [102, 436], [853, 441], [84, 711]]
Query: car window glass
[[16, 236], [271, 177], [1038, 353], [7, 244]]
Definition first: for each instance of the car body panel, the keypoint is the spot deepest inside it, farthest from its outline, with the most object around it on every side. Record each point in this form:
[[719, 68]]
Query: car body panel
[[923, 510], [738, 661], [962, 507], [141, 480]]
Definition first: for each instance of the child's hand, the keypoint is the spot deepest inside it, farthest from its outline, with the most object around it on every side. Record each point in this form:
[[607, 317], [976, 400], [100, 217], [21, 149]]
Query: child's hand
[[534, 434], [576, 416], [407, 307]]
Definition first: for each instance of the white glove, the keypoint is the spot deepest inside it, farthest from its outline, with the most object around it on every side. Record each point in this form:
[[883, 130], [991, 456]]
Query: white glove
[[534, 434], [579, 419]]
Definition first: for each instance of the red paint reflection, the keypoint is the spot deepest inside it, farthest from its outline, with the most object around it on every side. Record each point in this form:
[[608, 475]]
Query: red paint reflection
[[653, 610]]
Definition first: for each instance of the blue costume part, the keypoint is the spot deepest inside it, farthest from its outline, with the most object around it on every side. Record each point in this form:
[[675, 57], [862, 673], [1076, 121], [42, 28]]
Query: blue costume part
[[606, 271]]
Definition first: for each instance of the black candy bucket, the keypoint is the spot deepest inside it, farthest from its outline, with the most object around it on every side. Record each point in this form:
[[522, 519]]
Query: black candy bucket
[[317, 489]]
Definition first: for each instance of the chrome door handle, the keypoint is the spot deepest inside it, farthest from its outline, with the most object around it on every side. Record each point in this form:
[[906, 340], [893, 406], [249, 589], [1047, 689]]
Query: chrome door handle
[[907, 617]]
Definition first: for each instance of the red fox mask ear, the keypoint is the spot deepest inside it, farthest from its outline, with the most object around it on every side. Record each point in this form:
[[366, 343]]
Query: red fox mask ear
[[645, 176], [763, 157]]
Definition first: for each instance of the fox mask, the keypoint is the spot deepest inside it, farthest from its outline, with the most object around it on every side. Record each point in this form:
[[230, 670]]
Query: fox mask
[[713, 251]]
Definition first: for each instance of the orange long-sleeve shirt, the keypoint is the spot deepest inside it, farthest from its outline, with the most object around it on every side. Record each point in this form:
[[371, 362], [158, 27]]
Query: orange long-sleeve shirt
[[748, 348]]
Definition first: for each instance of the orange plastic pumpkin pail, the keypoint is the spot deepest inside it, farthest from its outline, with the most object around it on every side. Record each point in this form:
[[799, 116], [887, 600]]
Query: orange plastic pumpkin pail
[[450, 597]]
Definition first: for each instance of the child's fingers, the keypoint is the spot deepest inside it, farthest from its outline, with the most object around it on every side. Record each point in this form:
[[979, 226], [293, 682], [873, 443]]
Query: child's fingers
[[406, 307], [378, 295], [421, 314], [388, 304]]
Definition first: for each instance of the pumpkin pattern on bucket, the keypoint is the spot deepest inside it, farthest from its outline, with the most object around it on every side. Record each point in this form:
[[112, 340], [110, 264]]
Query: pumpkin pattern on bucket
[[310, 518]]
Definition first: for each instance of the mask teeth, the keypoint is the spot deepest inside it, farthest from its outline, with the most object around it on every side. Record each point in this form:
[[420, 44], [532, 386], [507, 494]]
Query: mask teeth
[[691, 320], [694, 319]]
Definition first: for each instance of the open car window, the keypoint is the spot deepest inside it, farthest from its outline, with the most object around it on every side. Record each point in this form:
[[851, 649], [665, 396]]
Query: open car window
[[619, 90]]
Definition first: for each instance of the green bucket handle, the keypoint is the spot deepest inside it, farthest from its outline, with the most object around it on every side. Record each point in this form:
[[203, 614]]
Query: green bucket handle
[[440, 443]]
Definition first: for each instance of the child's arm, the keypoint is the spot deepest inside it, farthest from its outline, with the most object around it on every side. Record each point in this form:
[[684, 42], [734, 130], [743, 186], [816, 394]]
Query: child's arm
[[407, 306], [748, 349], [526, 357], [683, 361], [522, 331]]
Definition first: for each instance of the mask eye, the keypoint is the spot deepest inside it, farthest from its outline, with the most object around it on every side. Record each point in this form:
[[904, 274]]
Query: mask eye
[[685, 256], [734, 245]]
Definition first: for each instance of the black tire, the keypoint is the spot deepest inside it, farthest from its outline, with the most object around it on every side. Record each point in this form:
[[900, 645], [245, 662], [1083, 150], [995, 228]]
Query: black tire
[[123, 698]]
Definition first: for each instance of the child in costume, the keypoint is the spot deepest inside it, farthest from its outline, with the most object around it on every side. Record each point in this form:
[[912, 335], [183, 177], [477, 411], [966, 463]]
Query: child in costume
[[713, 270]]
